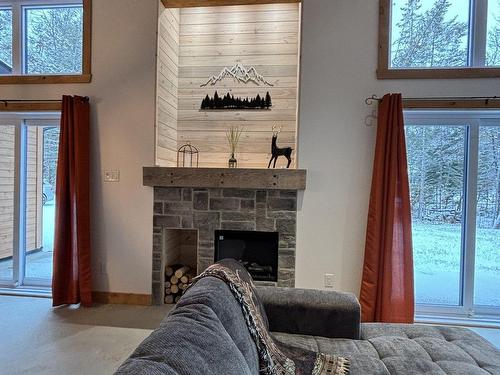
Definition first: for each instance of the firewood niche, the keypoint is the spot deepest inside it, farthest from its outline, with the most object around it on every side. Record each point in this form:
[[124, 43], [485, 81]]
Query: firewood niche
[[180, 262]]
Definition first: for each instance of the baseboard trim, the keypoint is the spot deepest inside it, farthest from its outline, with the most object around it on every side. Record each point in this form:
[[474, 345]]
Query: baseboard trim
[[121, 298]]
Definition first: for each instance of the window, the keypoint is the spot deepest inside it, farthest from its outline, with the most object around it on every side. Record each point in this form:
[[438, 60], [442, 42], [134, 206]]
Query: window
[[44, 41], [439, 38], [454, 172], [28, 151]]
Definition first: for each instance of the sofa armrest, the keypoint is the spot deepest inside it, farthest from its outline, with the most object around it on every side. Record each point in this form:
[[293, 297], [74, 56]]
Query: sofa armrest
[[311, 312]]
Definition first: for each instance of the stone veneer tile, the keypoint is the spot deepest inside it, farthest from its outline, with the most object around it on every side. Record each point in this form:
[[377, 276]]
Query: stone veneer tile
[[224, 204], [167, 194], [247, 204], [157, 294], [158, 208], [237, 216], [286, 261], [187, 194], [215, 193], [201, 219], [285, 226], [290, 215], [261, 196], [167, 221], [288, 193], [238, 193], [177, 208], [200, 200], [282, 204], [187, 221], [238, 225], [207, 210], [157, 243], [265, 225]]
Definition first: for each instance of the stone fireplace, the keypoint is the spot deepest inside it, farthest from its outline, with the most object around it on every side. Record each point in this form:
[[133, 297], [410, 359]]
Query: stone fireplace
[[205, 210]]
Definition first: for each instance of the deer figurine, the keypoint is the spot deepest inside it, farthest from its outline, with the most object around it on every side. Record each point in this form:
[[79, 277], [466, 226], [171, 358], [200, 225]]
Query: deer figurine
[[277, 152]]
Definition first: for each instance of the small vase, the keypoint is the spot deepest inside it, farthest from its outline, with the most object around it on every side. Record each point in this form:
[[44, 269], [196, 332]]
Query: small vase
[[232, 163]]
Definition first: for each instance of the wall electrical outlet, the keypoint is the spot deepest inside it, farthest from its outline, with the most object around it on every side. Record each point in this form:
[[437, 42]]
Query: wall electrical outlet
[[112, 176], [329, 280]]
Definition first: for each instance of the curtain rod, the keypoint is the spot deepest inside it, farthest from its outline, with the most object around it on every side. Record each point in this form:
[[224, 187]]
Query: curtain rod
[[375, 98], [29, 101], [6, 101]]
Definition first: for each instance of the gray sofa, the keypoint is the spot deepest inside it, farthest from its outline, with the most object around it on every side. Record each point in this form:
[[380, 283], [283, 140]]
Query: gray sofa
[[206, 334]]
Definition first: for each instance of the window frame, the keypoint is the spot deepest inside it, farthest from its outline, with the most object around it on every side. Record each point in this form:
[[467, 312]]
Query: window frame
[[18, 46], [477, 38], [21, 121], [472, 120]]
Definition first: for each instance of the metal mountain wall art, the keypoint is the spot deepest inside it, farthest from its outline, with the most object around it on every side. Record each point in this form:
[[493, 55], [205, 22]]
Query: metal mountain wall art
[[239, 73], [229, 102]]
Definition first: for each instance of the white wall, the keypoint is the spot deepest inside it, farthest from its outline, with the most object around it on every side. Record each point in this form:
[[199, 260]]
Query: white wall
[[122, 96], [338, 72], [339, 58]]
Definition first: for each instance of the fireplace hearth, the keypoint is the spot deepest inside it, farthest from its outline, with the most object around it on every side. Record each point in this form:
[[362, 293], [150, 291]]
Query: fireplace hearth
[[191, 204]]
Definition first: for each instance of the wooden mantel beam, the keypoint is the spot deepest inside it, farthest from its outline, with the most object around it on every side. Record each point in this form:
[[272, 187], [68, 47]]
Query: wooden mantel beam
[[238, 178], [215, 3]]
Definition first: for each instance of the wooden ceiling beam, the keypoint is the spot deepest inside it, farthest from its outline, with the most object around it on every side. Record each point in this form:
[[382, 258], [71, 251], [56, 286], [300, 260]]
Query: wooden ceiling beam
[[214, 3]]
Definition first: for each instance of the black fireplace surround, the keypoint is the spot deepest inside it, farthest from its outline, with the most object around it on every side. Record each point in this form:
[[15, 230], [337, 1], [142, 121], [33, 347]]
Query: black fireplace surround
[[257, 251]]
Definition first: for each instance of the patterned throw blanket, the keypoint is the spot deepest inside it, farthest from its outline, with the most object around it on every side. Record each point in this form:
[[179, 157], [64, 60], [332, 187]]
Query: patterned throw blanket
[[275, 358]]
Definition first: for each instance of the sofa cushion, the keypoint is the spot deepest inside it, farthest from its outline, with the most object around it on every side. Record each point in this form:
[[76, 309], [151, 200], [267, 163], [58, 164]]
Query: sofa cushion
[[392, 349], [205, 333]]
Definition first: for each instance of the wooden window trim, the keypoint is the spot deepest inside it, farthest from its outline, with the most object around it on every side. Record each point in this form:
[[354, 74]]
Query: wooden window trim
[[451, 104], [30, 106], [384, 72], [86, 75], [213, 3]]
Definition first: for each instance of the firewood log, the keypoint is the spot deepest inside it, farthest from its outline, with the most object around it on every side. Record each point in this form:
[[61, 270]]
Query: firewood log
[[184, 279], [174, 289], [167, 284], [169, 299], [177, 299], [168, 290], [174, 280], [182, 286], [181, 271], [169, 271]]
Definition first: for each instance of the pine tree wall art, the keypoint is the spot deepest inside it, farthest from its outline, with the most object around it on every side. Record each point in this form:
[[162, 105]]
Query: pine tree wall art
[[229, 102]]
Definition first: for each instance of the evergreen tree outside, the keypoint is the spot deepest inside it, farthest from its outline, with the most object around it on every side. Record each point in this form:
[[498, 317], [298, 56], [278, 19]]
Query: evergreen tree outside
[[430, 36], [6, 36], [54, 41], [436, 168], [493, 38]]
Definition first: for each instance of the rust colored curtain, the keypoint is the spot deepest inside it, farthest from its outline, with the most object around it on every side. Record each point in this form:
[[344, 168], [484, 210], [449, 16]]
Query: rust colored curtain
[[387, 293], [71, 280]]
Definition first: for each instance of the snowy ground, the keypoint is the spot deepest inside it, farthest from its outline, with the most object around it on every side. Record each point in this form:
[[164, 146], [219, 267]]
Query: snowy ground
[[38, 263], [437, 264]]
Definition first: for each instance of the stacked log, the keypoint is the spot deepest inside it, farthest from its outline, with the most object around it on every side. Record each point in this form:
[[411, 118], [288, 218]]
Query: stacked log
[[177, 279]]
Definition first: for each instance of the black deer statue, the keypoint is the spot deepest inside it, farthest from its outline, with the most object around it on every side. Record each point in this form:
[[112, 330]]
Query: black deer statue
[[277, 152]]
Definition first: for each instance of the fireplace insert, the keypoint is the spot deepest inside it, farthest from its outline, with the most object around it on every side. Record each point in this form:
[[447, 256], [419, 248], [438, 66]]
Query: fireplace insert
[[257, 251]]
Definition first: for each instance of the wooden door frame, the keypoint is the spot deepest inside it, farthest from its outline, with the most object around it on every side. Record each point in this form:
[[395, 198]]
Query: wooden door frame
[[214, 3]]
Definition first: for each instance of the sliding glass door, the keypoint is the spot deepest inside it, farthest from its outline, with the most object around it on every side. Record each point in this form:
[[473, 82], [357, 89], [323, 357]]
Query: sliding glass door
[[454, 170], [28, 147]]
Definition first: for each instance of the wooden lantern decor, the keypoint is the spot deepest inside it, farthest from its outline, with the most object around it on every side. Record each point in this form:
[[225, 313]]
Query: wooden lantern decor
[[187, 156]]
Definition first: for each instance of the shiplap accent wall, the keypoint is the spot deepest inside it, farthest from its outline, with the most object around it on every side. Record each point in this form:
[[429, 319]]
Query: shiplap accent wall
[[167, 87], [263, 36]]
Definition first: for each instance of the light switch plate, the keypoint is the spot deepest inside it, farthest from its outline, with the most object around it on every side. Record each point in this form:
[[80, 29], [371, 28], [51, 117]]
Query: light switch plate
[[111, 176]]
